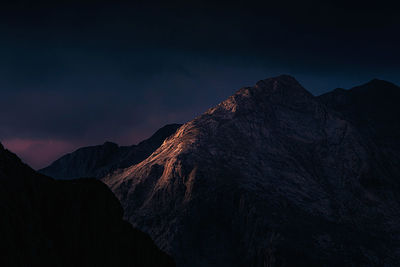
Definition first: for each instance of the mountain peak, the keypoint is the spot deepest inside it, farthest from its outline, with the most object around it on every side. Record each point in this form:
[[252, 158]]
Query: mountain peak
[[283, 89], [281, 79], [376, 84], [110, 144], [166, 129], [284, 85], [379, 82]]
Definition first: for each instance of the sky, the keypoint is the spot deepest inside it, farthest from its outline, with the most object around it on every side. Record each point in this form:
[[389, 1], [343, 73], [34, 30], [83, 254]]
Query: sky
[[75, 74]]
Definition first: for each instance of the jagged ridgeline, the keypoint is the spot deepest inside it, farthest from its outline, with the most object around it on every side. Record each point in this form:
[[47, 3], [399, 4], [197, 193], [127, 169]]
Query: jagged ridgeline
[[97, 161], [273, 176], [45, 222]]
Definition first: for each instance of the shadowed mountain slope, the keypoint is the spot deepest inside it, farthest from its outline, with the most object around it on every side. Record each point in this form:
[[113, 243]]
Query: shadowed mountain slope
[[97, 161], [272, 176], [373, 107], [45, 222]]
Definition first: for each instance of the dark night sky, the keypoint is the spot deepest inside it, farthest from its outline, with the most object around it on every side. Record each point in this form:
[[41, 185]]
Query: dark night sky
[[80, 74]]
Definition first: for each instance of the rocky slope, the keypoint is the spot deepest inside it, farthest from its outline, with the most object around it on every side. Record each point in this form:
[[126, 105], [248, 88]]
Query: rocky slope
[[273, 176], [66, 223], [97, 161]]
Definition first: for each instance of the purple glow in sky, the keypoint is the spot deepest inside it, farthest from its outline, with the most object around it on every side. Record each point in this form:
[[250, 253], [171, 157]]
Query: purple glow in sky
[[76, 74]]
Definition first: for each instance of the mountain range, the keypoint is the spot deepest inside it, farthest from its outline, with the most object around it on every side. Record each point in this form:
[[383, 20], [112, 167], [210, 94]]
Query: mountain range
[[97, 161], [272, 176]]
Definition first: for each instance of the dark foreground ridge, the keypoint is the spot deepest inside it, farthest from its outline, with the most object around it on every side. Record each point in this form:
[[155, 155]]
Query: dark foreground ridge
[[97, 161], [45, 222]]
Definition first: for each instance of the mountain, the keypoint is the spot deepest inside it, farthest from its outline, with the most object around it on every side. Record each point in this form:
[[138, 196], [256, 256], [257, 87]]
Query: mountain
[[97, 161], [372, 107], [272, 176], [45, 222]]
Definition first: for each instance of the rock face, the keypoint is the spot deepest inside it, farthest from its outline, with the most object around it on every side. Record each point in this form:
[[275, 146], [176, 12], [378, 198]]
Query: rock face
[[273, 176], [45, 222], [97, 161]]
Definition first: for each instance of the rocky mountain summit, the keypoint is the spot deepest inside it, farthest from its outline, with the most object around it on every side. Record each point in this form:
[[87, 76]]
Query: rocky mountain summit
[[273, 176], [97, 161], [45, 222]]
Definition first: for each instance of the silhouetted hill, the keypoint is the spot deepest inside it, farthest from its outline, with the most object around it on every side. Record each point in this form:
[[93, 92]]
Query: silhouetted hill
[[45, 222]]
